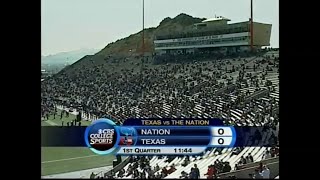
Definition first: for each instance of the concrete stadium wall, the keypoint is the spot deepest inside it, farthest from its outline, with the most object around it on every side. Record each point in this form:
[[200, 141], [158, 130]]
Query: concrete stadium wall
[[226, 89], [257, 94], [245, 170], [261, 34]]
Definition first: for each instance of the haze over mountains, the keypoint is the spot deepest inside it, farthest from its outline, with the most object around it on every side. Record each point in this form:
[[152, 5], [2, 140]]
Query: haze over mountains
[[66, 57]]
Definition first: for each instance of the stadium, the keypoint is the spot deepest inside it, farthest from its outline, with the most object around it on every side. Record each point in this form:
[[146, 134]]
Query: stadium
[[209, 68], [215, 35]]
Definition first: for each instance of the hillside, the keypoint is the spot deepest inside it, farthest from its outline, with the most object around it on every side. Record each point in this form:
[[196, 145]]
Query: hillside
[[134, 41], [132, 46]]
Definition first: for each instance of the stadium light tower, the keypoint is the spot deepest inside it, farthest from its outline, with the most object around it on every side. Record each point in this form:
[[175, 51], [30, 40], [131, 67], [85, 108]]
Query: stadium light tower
[[251, 26], [142, 60], [142, 28]]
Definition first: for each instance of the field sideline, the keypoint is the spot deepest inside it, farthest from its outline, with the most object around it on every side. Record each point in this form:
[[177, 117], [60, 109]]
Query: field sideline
[[56, 160]]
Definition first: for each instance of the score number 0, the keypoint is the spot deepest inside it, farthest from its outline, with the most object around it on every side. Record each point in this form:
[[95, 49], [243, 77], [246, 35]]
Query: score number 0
[[220, 132], [222, 136]]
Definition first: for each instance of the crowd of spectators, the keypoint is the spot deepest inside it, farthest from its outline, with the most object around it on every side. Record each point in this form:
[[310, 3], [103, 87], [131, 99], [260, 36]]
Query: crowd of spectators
[[124, 94]]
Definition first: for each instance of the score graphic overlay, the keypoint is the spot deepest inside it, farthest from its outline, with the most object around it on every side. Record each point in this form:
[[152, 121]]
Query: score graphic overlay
[[162, 137], [102, 136], [222, 136], [126, 136], [163, 140]]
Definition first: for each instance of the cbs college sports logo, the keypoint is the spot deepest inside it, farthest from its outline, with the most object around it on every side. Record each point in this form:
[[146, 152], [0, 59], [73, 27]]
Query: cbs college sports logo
[[102, 136]]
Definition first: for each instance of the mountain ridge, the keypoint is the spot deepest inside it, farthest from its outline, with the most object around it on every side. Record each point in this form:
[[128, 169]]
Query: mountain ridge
[[131, 46], [134, 41], [68, 57]]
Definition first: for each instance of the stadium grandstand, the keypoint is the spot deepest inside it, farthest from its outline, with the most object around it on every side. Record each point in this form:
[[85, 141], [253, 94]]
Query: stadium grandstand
[[194, 88], [213, 70], [215, 35]]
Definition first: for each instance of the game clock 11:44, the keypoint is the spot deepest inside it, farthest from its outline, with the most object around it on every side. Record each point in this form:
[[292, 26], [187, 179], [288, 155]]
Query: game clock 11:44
[[183, 150]]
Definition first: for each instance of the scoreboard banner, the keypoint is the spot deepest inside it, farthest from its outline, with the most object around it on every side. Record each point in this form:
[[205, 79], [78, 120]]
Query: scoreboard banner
[[155, 136], [152, 140], [172, 122]]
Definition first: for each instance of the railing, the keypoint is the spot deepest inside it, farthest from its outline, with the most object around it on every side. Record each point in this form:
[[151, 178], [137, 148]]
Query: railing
[[99, 174], [196, 33], [85, 116], [226, 89], [243, 173], [257, 94], [118, 167]]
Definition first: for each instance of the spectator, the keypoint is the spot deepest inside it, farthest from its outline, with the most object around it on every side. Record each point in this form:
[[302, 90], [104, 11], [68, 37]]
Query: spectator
[[260, 168], [121, 173], [156, 168], [236, 151], [274, 151], [151, 174], [257, 174], [197, 172], [226, 167], [243, 160], [236, 167], [61, 114], [265, 172], [158, 175], [171, 170], [164, 171], [250, 157], [247, 159], [135, 173], [193, 174], [267, 155], [92, 176], [185, 162], [47, 116], [210, 173], [184, 175], [112, 174]]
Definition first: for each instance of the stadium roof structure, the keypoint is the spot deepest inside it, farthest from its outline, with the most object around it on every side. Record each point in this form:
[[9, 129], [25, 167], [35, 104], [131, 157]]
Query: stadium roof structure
[[219, 18]]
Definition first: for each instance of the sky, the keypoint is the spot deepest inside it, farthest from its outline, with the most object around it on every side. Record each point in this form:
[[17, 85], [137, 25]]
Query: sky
[[68, 25]]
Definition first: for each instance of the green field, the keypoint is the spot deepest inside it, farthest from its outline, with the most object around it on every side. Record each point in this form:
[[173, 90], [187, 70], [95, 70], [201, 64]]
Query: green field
[[55, 160]]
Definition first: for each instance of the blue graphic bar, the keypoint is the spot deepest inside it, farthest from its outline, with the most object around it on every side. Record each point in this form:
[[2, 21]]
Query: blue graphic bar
[[171, 131], [161, 150], [173, 141], [173, 122], [244, 136]]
